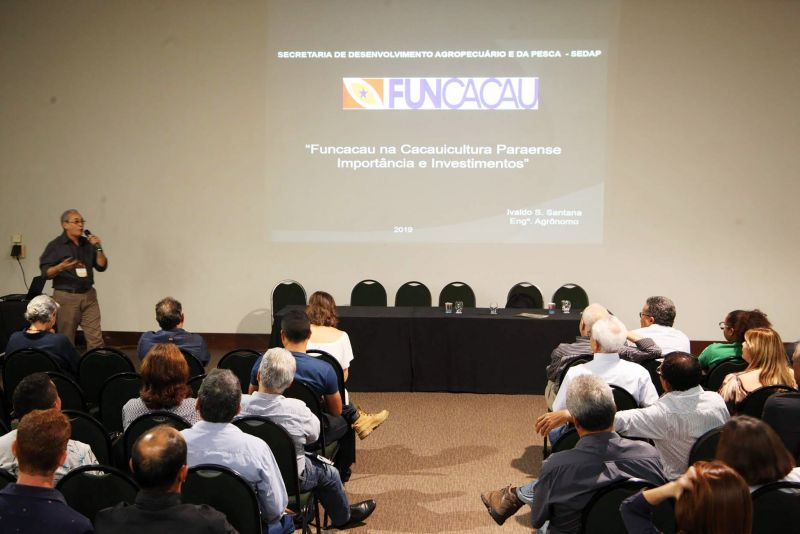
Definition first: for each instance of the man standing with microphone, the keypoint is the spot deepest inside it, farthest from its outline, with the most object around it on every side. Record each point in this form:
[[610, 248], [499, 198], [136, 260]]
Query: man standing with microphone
[[69, 260]]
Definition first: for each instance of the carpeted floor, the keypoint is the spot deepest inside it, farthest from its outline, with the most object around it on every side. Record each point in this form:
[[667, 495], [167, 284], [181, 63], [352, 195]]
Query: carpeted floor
[[427, 465]]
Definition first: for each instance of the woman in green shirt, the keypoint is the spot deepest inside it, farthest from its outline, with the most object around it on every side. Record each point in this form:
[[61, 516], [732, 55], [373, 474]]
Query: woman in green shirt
[[734, 326]]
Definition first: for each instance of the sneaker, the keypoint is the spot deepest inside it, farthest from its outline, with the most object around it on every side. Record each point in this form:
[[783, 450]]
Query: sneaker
[[367, 422]]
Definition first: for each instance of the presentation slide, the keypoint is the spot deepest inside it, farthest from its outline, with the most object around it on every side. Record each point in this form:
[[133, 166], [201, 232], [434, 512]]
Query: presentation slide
[[459, 121]]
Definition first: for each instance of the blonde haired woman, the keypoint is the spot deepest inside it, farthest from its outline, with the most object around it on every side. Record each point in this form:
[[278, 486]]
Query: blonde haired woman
[[321, 312], [767, 365]]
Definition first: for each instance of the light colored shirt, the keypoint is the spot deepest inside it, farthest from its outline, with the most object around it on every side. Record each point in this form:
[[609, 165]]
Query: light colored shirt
[[793, 476], [136, 407], [224, 444], [631, 377], [291, 414], [339, 349], [668, 338], [78, 454], [674, 423]]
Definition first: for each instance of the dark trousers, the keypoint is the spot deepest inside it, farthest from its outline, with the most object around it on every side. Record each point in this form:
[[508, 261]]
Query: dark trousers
[[341, 429]]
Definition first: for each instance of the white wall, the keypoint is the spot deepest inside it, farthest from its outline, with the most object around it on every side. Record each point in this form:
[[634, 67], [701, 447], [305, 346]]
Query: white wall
[[149, 118]]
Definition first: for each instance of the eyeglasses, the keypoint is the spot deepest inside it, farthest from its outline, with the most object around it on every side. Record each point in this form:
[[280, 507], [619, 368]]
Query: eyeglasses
[[723, 326], [643, 314], [78, 221]]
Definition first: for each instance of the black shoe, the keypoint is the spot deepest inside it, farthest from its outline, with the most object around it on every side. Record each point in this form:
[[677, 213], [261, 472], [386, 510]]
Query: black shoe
[[359, 512]]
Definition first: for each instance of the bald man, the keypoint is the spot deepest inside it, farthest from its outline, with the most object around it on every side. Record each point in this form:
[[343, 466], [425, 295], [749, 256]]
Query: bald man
[[158, 462]]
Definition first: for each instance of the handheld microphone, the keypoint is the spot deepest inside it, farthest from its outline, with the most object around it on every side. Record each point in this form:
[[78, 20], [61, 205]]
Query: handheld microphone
[[98, 247]]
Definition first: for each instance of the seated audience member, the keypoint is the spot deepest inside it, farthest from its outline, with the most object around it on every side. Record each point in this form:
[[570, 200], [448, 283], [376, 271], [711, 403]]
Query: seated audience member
[[169, 315], [657, 317], [31, 505], [321, 312], [756, 452], [608, 335], [41, 314], [275, 375], [164, 376], [566, 353], [158, 463], [568, 479], [711, 498], [763, 351], [683, 414], [341, 420], [214, 440], [733, 328], [37, 392], [782, 411]]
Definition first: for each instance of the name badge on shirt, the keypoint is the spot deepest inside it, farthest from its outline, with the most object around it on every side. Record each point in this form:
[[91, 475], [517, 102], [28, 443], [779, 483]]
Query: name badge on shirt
[[81, 272]]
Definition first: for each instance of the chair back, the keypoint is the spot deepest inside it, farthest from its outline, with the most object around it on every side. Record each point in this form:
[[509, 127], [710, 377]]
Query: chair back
[[652, 368], [280, 443], [195, 382], [601, 515], [286, 293], [705, 447], [6, 478], [753, 404], [145, 422], [97, 366], [89, 430], [524, 295], [195, 367], [91, 488], [69, 391], [368, 293], [580, 360], [300, 390], [22, 363], [775, 507], [566, 441], [226, 491], [240, 362], [455, 291], [333, 362], [718, 372], [114, 393], [573, 293], [413, 294], [623, 399]]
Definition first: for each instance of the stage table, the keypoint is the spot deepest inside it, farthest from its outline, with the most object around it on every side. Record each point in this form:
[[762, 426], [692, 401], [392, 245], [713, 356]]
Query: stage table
[[425, 349], [12, 319]]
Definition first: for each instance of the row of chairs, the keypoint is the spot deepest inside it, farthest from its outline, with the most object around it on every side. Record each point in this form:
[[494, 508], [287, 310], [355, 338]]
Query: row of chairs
[[372, 293]]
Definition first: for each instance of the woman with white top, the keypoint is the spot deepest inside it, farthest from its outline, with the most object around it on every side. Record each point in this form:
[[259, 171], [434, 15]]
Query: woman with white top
[[321, 312]]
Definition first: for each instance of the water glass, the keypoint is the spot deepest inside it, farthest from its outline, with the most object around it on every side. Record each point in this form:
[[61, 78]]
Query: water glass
[[565, 306], [448, 307], [459, 306], [493, 308]]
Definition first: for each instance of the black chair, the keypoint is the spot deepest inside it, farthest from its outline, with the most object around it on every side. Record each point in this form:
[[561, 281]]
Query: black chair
[[240, 362], [69, 391], [566, 441], [114, 393], [368, 293], [282, 446], [91, 488], [573, 293], [776, 507], [4, 428], [652, 368], [299, 390], [195, 367], [623, 399], [226, 491], [5, 412], [195, 382], [89, 430], [584, 358], [286, 293], [705, 447], [333, 362], [525, 289], [718, 372], [6, 478], [413, 294], [97, 366], [455, 291], [753, 404], [145, 422], [601, 515], [22, 363]]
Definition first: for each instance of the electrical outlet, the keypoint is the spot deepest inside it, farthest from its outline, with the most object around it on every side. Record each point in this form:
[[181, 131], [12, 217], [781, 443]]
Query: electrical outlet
[[16, 239]]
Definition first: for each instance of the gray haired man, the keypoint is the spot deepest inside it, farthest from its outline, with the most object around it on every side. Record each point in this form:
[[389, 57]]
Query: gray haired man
[[569, 478]]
